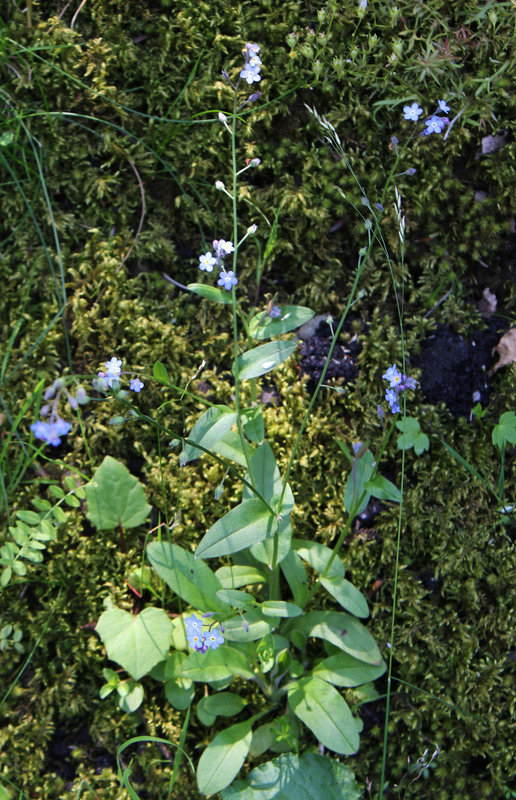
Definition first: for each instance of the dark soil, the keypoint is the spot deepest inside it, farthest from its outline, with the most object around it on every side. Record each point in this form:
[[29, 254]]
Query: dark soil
[[455, 370], [314, 350]]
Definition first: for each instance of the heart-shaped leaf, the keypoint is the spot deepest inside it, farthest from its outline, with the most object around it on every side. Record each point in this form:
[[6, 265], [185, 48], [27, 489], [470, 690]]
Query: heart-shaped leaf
[[115, 497], [136, 642]]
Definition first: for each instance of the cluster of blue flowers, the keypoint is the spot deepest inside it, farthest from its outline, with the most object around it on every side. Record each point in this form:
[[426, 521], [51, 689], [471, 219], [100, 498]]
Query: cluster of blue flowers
[[202, 640], [398, 382], [50, 430], [110, 379], [435, 123], [221, 248], [253, 64]]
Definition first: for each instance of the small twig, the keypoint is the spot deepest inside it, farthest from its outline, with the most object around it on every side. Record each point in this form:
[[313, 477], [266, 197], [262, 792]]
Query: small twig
[[142, 215], [176, 283], [72, 23], [443, 298]]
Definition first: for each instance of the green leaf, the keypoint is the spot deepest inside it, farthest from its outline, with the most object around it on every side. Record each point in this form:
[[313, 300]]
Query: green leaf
[[265, 652], [19, 568], [30, 517], [505, 431], [115, 497], [211, 293], [267, 480], [344, 670], [136, 642], [279, 608], [243, 526], [263, 359], [159, 371], [253, 424], [221, 704], [291, 777], [230, 447], [262, 326], [239, 575], [341, 630], [179, 692], [326, 713], [223, 758], [318, 555], [257, 626], [188, 577], [360, 474], [264, 551], [347, 595], [235, 598], [6, 576], [209, 429], [295, 575], [131, 699], [412, 436], [216, 665], [383, 489]]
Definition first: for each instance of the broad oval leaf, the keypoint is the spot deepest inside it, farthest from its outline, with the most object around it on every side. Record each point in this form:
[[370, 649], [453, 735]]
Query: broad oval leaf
[[263, 359], [355, 491], [262, 326], [230, 447], [159, 371], [340, 629], [115, 497], [239, 575], [326, 713], [216, 665], [223, 704], [179, 692], [235, 598], [209, 429], [295, 575], [251, 627], [188, 577], [318, 556], [279, 608], [223, 758], [265, 551], [383, 489], [136, 642], [347, 595], [344, 670], [291, 777], [243, 526], [211, 293]]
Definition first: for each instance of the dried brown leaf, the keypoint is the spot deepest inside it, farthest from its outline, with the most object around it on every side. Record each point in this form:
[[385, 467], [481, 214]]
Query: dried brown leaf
[[506, 349]]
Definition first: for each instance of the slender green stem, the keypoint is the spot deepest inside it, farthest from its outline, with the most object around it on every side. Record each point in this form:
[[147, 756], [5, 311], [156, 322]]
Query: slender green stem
[[240, 426]]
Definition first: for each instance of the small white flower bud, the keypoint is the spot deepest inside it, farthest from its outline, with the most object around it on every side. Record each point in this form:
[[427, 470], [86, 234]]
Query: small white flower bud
[[254, 162], [220, 186], [252, 229], [222, 117]]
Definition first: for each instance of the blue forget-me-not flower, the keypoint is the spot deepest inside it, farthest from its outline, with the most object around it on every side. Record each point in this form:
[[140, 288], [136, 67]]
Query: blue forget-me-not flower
[[412, 112], [398, 382], [202, 640]]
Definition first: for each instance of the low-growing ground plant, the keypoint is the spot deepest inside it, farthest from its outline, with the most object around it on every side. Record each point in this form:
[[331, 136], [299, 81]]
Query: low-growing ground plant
[[249, 618]]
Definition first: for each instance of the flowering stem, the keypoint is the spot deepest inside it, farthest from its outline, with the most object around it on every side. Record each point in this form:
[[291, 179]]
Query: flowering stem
[[243, 441]]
